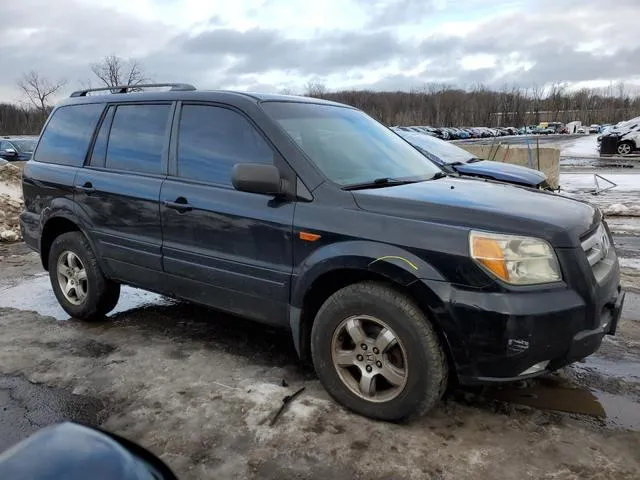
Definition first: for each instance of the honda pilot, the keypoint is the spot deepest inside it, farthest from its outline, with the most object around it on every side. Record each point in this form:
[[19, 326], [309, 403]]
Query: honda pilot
[[394, 278]]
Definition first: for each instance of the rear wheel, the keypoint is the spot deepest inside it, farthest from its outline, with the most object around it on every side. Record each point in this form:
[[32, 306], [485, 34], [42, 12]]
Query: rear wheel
[[376, 352], [78, 283], [625, 148]]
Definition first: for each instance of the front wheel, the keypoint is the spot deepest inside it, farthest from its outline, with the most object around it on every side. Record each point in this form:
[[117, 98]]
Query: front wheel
[[78, 283], [625, 148], [376, 353]]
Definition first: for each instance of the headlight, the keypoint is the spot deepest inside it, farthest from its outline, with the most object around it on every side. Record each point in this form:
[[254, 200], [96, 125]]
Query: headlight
[[514, 259]]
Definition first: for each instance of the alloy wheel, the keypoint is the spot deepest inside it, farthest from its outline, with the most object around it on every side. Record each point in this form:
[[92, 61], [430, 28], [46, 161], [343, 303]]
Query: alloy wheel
[[72, 277], [369, 358]]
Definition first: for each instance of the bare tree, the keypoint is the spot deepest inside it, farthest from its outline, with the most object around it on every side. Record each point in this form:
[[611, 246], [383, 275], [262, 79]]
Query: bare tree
[[39, 89], [556, 98], [315, 89], [114, 71]]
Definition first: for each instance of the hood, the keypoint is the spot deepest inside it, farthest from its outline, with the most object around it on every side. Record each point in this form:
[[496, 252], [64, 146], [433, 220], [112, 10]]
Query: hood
[[485, 205], [504, 172]]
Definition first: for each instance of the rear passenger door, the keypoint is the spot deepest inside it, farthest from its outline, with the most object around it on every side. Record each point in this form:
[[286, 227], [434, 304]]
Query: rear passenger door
[[118, 190], [228, 249]]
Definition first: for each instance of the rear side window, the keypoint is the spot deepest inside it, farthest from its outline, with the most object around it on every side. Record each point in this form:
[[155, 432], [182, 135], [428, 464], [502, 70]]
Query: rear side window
[[66, 138], [213, 139], [137, 138]]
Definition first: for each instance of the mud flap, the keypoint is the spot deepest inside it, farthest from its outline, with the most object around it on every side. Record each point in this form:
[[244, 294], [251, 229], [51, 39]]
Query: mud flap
[[616, 312]]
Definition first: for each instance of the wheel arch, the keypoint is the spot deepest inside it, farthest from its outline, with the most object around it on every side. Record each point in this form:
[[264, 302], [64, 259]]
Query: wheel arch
[[55, 226], [399, 270]]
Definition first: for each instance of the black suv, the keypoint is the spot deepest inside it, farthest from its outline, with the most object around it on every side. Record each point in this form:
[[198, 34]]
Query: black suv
[[392, 277]]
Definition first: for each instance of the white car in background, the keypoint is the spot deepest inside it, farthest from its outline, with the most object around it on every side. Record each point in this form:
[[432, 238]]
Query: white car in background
[[629, 141]]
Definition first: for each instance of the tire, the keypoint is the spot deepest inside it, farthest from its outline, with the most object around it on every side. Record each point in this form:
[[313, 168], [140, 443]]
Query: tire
[[101, 294], [425, 365], [625, 148]]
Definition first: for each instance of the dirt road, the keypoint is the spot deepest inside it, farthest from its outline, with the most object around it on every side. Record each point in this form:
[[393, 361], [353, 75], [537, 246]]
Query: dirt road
[[199, 388]]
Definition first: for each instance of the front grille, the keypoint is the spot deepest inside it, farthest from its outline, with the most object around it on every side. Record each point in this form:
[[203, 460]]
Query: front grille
[[597, 245]]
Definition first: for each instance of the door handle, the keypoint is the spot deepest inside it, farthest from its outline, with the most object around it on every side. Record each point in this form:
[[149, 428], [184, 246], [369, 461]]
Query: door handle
[[87, 188], [181, 205]]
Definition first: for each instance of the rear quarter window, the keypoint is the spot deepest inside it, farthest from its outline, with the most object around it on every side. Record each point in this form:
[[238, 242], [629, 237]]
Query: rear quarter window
[[66, 137]]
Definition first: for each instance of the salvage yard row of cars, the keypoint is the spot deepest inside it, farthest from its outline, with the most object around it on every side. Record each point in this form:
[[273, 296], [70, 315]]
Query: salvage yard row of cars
[[456, 133]]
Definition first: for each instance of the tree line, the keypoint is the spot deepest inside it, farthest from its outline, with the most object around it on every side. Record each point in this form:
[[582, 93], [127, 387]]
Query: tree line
[[433, 104], [445, 105]]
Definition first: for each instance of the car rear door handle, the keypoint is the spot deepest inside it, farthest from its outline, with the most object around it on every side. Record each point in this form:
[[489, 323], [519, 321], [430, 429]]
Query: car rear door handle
[[181, 205], [86, 188]]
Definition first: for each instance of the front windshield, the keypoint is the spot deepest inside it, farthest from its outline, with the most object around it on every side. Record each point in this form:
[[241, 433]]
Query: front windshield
[[445, 151], [26, 146], [348, 146]]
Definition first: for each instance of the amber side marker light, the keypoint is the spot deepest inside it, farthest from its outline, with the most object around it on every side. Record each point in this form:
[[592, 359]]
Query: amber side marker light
[[309, 237], [487, 251]]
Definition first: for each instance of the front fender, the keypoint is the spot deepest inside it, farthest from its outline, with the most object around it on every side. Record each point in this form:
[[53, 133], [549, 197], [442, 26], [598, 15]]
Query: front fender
[[390, 261]]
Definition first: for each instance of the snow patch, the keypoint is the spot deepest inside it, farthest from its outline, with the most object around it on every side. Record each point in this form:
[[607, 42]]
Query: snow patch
[[621, 225], [632, 263], [620, 210], [10, 189], [621, 200], [266, 399], [577, 182], [581, 147]]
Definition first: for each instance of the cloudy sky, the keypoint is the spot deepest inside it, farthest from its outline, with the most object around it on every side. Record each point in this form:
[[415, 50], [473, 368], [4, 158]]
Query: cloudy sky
[[270, 45]]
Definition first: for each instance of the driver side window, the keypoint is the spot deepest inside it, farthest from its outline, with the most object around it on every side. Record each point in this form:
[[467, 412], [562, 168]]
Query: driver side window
[[211, 140]]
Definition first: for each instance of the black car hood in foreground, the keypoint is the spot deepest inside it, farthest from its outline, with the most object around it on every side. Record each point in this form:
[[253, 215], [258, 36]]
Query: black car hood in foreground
[[485, 206]]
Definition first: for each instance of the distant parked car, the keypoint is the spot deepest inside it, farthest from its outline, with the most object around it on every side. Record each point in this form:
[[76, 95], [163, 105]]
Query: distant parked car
[[581, 130], [462, 133], [629, 141], [17, 148], [594, 128], [454, 159]]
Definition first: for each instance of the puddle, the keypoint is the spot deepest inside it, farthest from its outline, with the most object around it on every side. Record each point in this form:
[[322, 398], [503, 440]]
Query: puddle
[[624, 368], [549, 393], [36, 294], [28, 407]]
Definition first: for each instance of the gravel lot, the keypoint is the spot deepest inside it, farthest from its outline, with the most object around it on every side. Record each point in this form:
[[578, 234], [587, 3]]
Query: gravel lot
[[198, 388]]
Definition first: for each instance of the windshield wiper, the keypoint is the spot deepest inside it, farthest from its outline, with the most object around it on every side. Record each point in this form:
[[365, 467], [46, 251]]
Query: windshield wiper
[[379, 183], [390, 182]]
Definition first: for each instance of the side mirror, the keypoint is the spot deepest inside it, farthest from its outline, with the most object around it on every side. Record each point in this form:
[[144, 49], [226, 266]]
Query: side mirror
[[9, 152], [257, 178]]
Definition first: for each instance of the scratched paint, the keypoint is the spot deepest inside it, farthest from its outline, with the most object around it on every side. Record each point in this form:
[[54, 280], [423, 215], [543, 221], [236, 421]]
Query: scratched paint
[[392, 257]]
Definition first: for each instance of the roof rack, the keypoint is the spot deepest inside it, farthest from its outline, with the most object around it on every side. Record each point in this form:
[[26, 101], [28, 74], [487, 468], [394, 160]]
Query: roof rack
[[176, 87]]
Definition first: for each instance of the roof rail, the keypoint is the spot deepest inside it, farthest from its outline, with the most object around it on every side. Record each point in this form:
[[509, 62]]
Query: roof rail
[[180, 87]]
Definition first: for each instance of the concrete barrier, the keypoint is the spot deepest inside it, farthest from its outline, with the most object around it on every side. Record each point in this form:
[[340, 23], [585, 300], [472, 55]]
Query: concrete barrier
[[545, 159]]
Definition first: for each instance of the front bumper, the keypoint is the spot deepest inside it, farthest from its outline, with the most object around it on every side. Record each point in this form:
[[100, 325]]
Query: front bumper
[[500, 336]]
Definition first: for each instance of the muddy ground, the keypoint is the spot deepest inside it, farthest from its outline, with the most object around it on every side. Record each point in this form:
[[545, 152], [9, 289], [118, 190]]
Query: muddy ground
[[199, 388]]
